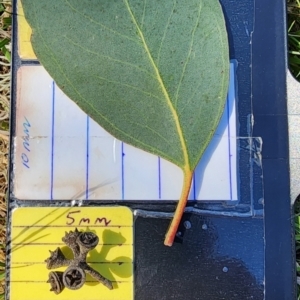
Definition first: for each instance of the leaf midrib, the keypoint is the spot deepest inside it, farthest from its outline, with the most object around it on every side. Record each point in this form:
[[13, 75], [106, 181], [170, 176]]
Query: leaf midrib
[[186, 165]]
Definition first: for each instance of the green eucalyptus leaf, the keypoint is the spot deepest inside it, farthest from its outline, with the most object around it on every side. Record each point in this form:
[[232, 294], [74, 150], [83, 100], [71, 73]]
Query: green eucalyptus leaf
[[152, 73]]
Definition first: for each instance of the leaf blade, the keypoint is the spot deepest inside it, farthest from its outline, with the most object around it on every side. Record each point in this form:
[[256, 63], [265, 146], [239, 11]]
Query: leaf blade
[[152, 89]]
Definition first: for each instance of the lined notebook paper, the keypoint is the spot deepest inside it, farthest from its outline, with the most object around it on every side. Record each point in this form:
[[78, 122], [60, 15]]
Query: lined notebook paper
[[60, 153], [35, 231]]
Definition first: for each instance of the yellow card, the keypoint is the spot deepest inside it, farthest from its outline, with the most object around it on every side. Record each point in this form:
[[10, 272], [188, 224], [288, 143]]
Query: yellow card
[[36, 230], [24, 35]]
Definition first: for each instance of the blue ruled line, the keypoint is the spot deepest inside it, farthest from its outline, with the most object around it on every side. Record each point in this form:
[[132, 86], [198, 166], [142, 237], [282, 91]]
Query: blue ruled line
[[229, 148], [159, 179], [52, 141], [122, 166], [87, 157]]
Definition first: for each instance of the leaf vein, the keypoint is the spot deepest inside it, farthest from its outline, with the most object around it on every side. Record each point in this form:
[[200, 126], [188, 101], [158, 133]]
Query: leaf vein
[[109, 57], [127, 85], [190, 99], [100, 24], [152, 130], [165, 32], [187, 103], [189, 53], [143, 17]]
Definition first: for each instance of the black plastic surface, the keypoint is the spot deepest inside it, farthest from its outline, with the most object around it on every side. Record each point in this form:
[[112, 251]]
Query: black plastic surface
[[270, 113], [220, 258]]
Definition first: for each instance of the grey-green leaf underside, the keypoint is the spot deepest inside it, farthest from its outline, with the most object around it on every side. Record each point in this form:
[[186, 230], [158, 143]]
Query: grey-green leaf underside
[[153, 73]]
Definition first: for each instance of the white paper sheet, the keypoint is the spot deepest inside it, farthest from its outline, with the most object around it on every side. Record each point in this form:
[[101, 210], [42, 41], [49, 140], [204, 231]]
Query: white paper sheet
[[60, 153]]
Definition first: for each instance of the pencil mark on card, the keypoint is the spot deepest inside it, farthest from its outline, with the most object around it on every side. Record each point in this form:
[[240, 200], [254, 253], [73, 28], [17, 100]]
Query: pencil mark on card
[[75, 217], [26, 143]]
